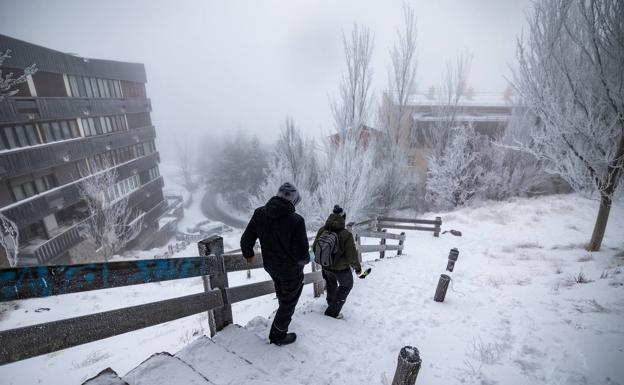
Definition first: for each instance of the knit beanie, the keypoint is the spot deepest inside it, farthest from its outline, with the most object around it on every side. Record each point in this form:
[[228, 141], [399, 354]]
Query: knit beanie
[[338, 210], [290, 193]]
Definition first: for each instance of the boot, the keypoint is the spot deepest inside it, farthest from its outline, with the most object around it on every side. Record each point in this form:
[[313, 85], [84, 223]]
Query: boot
[[281, 337], [333, 310], [289, 338]]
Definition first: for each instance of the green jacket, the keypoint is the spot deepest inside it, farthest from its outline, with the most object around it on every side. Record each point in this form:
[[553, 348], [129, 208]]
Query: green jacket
[[347, 254]]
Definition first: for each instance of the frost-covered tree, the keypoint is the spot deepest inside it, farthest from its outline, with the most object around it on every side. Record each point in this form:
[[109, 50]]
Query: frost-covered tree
[[352, 107], [237, 169], [186, 162], [8, 82], [394, 117], [512, 172], [9, 239], [348, 176], [454, 178], [570, 74], [293, 160], [111, 223], [437, 137]]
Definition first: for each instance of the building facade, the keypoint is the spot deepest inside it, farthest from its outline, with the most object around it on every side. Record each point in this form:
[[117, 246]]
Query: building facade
[[488, 114], [75, 116]]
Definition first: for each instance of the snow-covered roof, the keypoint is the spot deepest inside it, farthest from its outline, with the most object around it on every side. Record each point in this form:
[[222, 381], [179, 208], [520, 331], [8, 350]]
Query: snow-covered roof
[[484, 99], [463, 118]]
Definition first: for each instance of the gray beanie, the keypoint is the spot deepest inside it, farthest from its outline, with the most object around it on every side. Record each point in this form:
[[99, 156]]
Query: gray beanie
[[290, 193]]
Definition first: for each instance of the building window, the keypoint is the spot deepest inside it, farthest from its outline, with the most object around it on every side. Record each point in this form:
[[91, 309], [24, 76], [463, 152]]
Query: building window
[[73, 126], [153, 173], [73, 85], [94, 86], [21, 136], [18, 136], [9, 137], [33, 139], [88, 87], [33, 187], [47, 132], [57, 130]]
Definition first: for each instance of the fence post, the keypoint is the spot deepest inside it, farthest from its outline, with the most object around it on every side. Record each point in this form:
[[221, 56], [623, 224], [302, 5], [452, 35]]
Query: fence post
[[212, 249], [443, 284], [376, 223], [408, 366], [382, 242], [319, 286], [436, 231], [401, 242]]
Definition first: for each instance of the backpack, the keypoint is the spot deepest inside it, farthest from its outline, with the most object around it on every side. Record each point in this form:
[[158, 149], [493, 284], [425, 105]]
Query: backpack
[[326, 249]]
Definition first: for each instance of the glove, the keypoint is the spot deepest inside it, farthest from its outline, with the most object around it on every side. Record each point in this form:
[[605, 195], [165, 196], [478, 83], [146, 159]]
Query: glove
[[358, 272]]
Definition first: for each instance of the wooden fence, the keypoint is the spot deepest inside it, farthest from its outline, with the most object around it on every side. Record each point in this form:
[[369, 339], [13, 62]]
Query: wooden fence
[[42, 281], [377, 228]]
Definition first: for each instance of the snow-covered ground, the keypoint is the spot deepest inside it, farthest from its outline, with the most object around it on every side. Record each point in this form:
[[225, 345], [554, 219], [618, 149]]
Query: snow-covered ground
[[515, 313]]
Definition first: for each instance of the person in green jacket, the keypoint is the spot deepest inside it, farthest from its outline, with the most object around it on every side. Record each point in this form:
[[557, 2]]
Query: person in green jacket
[[338, 276]]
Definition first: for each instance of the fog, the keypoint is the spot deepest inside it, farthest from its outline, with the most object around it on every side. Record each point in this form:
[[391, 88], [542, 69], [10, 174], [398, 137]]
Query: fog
[[215, 66]]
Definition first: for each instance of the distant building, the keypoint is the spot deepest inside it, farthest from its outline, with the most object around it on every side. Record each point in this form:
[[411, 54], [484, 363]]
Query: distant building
[[73, 113], [362, 134], [488, 114]]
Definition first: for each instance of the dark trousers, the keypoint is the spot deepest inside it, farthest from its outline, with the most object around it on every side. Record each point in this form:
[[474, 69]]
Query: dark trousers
[[288, 290], [338, 285]]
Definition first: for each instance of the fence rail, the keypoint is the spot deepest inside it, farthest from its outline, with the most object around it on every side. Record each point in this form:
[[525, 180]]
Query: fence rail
[[42, 281]]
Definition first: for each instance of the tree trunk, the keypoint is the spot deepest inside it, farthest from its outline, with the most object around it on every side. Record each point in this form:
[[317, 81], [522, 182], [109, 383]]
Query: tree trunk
[[601, 223], [606, 196]]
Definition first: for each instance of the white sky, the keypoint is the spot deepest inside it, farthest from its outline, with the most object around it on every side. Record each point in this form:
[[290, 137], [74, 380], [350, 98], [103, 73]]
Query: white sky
[[213, 66]]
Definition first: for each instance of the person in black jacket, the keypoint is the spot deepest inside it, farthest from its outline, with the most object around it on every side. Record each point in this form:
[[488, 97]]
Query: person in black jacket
[[284, 244]]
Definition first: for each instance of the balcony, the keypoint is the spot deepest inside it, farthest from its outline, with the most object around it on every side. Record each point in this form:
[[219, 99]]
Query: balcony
[[28, 159], [43, 251], [36, 207], [23, 109]]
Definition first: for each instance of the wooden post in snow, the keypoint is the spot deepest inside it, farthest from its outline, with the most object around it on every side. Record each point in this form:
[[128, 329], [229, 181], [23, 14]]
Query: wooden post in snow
[[407, 367], [443, 284], [438, 224], [318, 286], [452, 258], [382, 242], [212, 249], [401, 243]]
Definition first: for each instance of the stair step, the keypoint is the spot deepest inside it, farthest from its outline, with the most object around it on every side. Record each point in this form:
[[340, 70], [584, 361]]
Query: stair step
[[164, 369], [105, 377], [279, 361], [221, 366]]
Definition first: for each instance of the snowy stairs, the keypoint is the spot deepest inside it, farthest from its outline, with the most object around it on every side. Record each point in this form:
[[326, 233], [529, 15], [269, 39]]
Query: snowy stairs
[[234, 356]]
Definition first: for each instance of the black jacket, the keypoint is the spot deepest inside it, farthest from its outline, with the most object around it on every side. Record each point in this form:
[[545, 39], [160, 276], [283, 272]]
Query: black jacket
[[282, 235]]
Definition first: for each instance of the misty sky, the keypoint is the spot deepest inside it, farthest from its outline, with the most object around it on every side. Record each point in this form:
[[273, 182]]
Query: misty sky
[[214, 66]]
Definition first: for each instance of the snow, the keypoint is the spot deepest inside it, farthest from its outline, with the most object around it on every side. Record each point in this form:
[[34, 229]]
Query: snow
[[513, 313], [231, 211]]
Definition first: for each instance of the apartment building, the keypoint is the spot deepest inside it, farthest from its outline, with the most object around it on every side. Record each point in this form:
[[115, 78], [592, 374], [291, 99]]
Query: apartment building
[[75, 116]]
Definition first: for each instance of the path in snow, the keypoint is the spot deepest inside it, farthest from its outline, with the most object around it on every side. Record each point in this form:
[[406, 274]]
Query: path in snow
[[211, 210]]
